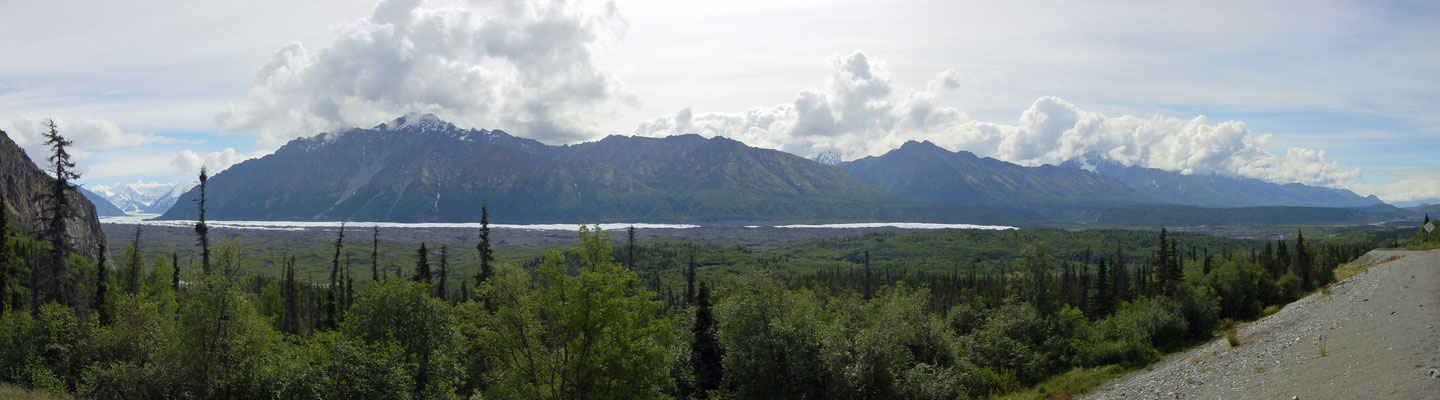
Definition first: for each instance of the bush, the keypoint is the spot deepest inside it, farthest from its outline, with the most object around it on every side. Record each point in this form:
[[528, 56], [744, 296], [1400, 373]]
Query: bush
[[1156, 321], [1201, 309], [404, 313]]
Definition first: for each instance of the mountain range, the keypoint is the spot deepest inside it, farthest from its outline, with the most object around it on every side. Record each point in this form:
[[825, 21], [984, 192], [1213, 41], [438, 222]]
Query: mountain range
[[1212, 190], [144, 197], [419, 168]]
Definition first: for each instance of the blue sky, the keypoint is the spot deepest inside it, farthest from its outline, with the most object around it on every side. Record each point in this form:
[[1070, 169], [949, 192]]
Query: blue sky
[[1331, 93]]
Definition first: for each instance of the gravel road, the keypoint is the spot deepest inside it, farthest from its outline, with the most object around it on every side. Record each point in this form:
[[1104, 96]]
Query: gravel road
[[1375, 336]]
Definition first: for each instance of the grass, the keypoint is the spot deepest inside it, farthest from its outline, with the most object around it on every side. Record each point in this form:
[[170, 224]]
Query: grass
[[1070, 384], [1232, 338], [1349, 270], [8, 391]]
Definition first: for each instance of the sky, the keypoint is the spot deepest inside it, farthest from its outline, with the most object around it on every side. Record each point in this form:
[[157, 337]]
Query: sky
[[1328, 93]]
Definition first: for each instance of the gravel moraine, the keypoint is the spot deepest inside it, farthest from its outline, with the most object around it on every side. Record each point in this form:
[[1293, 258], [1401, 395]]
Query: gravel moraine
[[1375, 336]]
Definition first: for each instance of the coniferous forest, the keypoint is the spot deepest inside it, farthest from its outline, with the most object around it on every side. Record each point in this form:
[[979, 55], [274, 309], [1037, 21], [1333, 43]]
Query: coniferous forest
[[589, 321]]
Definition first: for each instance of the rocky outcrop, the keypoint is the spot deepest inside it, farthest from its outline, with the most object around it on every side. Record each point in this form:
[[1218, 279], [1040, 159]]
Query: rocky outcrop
[[23, 184]]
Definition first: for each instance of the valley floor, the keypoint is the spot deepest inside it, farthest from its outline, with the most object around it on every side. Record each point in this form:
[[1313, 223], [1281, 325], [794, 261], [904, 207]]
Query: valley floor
[[1375, 335]]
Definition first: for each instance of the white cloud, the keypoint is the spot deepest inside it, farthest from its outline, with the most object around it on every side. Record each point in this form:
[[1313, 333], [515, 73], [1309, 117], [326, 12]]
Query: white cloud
[[521, 65], [1413, 184], [87, 134], [188, 163], [859, 112]]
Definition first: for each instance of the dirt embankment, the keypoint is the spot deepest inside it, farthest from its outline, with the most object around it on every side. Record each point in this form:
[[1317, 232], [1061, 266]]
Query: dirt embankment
[[1374, 336]]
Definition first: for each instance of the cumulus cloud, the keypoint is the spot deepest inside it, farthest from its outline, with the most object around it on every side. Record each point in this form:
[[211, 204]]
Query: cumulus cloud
[[859, 112], [188, 163], [521, 65], [87, 134]]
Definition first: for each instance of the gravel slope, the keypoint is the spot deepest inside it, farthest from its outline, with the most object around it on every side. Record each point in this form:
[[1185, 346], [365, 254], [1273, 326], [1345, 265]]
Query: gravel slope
[[1379, 333]]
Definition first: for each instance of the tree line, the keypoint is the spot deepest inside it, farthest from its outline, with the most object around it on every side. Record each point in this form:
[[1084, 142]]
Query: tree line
[[591, 322]]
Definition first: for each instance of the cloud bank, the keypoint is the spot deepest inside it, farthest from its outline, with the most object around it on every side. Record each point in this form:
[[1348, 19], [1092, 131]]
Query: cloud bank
[[526, 65], [188, 163], [858, 112]]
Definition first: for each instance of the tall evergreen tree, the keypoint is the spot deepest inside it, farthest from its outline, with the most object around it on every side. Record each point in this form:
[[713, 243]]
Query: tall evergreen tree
[[375, 254], [422, 265], [1206, 261], [349, 289], [133, 262], [58, 209], [175, 272], [705, 352], [1120, 277], [1104, 298], [290, 293], [1302, 264], [201, 229], [330, 313], [630, 247], [1038, 291], [487, 255], [1167, 261], [444, 271], [102, 283], [869, 289], [1282, 257], [690, 279]]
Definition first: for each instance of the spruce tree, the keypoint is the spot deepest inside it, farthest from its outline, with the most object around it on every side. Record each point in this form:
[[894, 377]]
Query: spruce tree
[[175, 272], [706, 354], [422, 265], [690, 279], [1282, 257], [102, 283], [290, 292], [1120, 277], [869, 289], [133, 262], [349, 289], [444, 270], [1205, 266], [1104, 299], [487, 255], [1302, 264], [58, 209], [202, 230], [630, 248], [330, 317], [375, 254]]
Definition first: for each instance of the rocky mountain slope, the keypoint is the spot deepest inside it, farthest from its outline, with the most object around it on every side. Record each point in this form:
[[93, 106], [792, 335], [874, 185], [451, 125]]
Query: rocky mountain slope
[[22, 183], [1217, 190], [103, 207], [418, 168], [922, 171]]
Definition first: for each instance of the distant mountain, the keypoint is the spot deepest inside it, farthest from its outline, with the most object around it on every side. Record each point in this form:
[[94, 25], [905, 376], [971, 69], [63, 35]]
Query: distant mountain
[[1175, 215], [1217, 190], [828, 158], [23, 183], [418, 168], [102, 206], [922, 171], [143, 197]]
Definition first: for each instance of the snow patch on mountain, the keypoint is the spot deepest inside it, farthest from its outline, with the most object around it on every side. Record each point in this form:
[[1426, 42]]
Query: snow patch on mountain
[[143, 197]]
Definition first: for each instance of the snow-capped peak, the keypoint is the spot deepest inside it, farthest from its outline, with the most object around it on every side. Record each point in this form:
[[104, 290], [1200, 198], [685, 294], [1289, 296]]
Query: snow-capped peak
[[828, 158], [423, 122], [143, 197]]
